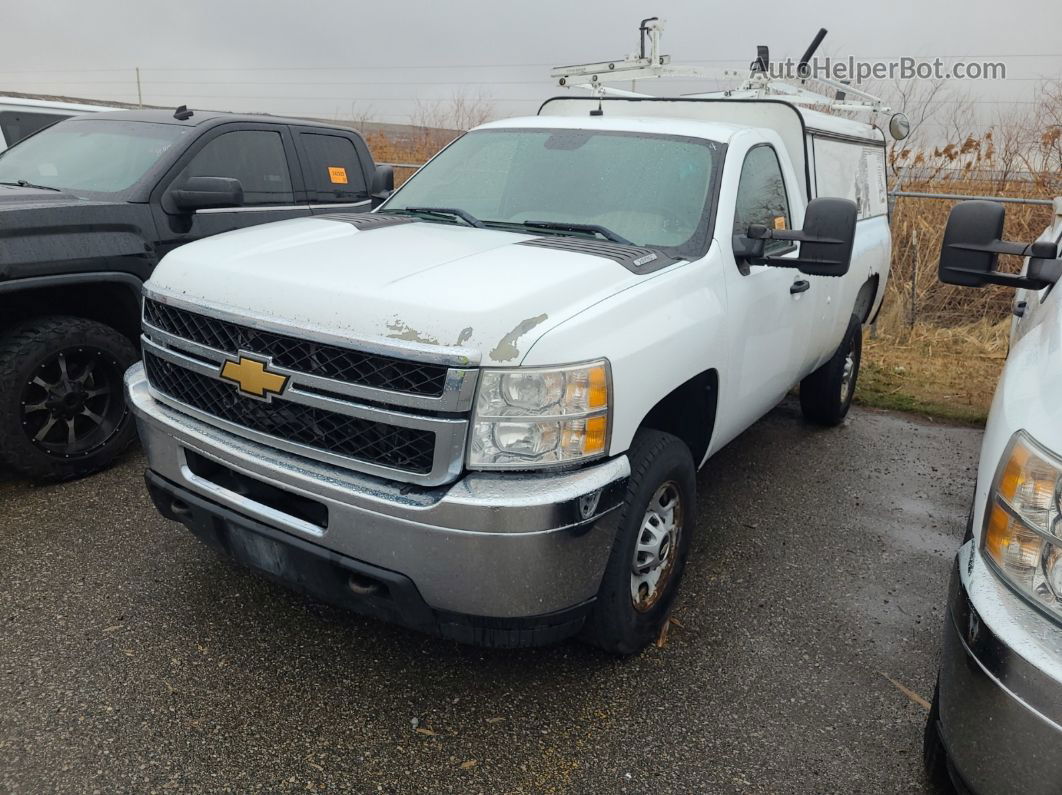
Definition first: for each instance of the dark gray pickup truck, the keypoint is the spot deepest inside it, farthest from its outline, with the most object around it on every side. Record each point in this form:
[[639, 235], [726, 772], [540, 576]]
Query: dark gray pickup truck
[[88, 207]]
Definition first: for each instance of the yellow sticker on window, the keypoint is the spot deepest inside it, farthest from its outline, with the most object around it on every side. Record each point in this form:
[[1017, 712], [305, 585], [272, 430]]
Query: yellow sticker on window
[[779, 221], [337, 175]]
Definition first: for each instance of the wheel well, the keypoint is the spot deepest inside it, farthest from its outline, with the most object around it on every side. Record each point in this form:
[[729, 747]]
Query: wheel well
[[688, 412], [865, 299], [112, 304]]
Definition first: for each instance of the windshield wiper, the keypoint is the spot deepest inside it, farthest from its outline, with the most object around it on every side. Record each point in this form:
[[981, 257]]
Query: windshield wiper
[[444, 212], [594, 229], [21, 183]]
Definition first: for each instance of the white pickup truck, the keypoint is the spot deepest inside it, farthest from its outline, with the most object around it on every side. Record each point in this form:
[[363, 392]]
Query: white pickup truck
[[995, 724], [479, 410]]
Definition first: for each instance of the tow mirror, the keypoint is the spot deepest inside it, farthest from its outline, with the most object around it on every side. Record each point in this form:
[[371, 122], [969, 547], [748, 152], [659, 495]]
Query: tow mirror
[[972, 245], [1044, 269], [826, 240], [203, 193], [748, 247], [383, 185]]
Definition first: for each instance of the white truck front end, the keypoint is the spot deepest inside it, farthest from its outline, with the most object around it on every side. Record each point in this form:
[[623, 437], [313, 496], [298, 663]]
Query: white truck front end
[[996, 719], [479, 410], [337, 461]]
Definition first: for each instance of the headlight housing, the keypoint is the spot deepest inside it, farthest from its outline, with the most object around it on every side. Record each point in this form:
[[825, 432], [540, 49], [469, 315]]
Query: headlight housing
[[1022, 532], [531, 417]]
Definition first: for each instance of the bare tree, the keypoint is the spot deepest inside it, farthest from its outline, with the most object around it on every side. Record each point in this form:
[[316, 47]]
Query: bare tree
[[463, 111], [1047, 146]]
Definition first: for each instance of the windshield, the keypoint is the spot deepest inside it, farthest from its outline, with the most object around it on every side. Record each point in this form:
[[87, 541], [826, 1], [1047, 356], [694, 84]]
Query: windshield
[[91, 156], [650, 190]]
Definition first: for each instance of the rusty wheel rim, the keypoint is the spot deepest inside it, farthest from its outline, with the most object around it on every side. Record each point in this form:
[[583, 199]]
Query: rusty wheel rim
[[656, 548]]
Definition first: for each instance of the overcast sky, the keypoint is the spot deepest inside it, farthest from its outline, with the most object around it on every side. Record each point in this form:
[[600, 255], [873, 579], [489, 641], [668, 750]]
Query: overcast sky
[[380, 59]]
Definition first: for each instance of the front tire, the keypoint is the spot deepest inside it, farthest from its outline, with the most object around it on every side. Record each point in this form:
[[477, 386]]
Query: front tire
[[655, 525], [826, 394], [62, 408]]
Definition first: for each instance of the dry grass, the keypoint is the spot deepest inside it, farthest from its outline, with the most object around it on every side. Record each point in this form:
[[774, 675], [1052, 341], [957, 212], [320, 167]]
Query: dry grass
[[948, 372], [939, 348], [917, 232]]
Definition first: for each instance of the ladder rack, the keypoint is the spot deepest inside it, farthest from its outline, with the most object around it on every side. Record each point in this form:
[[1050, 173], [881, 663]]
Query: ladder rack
[[650, 63]]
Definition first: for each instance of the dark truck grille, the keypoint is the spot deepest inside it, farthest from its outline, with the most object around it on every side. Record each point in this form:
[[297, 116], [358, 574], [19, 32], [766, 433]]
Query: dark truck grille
[[407, 449], [304, 356]]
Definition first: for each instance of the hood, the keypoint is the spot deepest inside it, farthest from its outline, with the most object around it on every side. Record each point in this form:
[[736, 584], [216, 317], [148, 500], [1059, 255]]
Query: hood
[[44, 232], [474, 290], [1027, 396]]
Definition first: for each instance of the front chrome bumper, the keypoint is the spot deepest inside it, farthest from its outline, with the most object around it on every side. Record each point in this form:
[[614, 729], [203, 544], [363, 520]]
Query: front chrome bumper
[[1000, 686], [489, 545]]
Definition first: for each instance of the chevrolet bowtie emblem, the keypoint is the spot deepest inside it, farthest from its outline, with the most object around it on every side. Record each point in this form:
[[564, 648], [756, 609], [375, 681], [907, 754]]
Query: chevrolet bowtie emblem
[[253, 378]]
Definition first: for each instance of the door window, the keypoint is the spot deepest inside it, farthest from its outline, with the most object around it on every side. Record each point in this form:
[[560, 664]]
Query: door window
[[333, 168], [761, 197], [255, 157]]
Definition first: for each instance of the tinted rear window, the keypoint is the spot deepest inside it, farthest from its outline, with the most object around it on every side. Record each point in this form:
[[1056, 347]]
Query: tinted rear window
[[333, 168]]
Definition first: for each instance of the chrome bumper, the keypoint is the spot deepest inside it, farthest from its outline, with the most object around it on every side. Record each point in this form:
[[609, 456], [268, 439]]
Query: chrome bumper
[[1000, 686], [490, 545]]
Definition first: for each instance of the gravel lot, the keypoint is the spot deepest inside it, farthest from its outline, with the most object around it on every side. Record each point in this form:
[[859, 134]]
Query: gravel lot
[[807, 632]]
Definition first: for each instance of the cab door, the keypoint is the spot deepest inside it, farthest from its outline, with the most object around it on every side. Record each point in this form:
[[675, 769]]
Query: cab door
[[337, 167], [772, 308], [261, 157]]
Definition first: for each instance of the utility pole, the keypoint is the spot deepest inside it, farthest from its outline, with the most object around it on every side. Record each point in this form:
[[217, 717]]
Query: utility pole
[[139, 93]]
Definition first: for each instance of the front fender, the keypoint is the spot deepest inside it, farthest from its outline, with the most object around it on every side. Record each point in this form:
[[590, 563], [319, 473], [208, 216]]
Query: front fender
[[100, 237], [656, 334]]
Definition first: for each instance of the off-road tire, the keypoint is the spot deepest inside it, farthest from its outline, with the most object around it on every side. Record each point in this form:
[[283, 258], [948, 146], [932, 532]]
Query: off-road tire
[[24, 350], [826, 394], [614, 624]]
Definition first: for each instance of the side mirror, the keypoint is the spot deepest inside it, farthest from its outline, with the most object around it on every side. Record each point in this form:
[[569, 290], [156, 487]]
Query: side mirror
[[383, 185], [1044, 269], [828, 237], [826, 240], [972, 245], [747, 246], [202, 193]]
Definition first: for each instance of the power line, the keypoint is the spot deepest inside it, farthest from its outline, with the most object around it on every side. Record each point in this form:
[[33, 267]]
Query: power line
[[294, 82], [342, 97], [368, 82], [413, 99], [393, 67]]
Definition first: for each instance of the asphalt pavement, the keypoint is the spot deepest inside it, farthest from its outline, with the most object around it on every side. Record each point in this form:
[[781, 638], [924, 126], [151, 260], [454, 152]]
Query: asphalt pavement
[[804, 646]]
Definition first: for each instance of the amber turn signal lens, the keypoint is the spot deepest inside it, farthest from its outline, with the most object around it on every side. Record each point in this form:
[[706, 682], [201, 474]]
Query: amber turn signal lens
[[596, 431], [597, 388], [1013, 473], [997, 535]]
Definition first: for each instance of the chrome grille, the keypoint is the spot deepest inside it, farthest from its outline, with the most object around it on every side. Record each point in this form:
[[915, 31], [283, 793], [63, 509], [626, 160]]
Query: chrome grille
[[304, 356], [381, 444]]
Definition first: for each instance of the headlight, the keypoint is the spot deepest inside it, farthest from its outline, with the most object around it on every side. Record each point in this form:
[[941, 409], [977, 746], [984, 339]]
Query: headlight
[[1022, 533], [531, 417]]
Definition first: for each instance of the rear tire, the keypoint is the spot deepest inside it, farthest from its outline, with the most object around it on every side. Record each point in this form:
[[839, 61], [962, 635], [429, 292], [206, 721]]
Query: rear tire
[[655, 525], [62, 407], [826, 394]]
